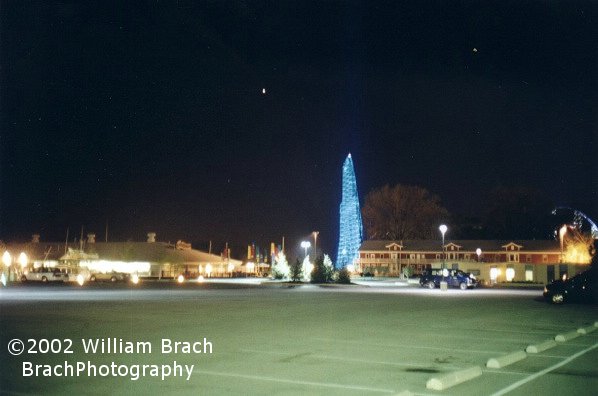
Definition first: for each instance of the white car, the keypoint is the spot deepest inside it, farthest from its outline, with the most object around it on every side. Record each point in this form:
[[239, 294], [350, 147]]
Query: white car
[[44, 275]]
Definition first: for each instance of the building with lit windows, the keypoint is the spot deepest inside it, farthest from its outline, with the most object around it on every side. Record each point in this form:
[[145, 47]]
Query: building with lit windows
[[538, 261], [149, 259]]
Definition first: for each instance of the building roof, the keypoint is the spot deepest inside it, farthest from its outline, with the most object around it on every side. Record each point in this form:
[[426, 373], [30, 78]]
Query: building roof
[[156, 252], [466, 245]]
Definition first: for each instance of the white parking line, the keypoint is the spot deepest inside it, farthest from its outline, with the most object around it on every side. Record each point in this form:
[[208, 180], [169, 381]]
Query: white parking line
[[295, 382], [545, 371], [533, 355], [499, 371]]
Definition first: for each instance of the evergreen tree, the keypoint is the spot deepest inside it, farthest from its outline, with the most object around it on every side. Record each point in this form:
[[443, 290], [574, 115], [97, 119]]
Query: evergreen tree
[[318, 274], [280, 267], [343, 276], [307, 267], [329, 268], [296, 271]]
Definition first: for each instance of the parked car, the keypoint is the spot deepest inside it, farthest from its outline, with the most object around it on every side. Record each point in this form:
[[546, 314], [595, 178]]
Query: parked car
[[454, 278], [108, 276], [44, 275], [76, 274], [583, 287]]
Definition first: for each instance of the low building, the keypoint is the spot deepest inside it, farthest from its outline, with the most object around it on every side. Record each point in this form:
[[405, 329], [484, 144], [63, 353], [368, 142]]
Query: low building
[[538, 261], [148, 259]]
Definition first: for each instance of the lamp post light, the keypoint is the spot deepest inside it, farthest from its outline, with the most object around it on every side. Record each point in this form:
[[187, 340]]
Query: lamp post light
[[443, 283], [305, 245], [315, 234], [562, 232], [23, 260], [6, 258], [443, 229], [478, 251]]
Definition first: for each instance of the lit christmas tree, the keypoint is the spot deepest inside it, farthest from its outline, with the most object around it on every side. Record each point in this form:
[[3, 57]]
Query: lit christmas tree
[[350, 232], [280, 267], [307, 268]]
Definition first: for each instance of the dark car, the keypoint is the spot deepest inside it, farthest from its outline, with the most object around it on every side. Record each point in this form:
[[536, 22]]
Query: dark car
[[583, 288], [453, 278]]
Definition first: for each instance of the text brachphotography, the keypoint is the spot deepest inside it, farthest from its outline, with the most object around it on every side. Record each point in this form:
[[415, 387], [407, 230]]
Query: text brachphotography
[[113, 369]]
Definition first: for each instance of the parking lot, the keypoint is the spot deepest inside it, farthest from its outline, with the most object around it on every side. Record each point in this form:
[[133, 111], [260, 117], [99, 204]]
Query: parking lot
[[276, 339]]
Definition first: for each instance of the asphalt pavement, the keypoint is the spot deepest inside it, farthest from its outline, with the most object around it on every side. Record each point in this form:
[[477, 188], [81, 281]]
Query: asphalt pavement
[[273, 338]]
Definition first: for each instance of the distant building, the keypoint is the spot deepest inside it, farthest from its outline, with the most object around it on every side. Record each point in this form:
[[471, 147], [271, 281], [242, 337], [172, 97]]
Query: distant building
[[537, 261], [146, 259]]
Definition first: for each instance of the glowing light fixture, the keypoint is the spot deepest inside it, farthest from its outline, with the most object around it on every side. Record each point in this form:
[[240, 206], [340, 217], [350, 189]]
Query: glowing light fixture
[[443, 229], [200, 278], [135, 279], [6, 258], [305, 245], [562, 232], [23, 260], [180, 279], [209, 270], [80, 279]]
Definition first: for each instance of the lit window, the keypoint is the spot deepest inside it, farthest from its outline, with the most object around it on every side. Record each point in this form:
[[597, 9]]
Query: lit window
[[494, 272], [510, 274], [529, 273]]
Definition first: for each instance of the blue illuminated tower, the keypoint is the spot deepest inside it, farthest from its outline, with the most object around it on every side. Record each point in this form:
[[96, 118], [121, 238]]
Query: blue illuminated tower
[[350, 232]]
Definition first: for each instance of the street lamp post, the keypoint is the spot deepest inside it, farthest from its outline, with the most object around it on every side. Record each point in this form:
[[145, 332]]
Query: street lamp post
[[443, 229], [305, 245], [562, 232], [443, 283], [23, 261]]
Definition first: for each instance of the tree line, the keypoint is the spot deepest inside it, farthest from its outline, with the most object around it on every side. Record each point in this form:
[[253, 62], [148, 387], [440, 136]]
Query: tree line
[[412, 212]]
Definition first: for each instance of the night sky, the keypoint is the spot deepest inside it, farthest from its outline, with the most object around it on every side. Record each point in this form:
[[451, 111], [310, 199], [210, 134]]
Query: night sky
[[150, 116]]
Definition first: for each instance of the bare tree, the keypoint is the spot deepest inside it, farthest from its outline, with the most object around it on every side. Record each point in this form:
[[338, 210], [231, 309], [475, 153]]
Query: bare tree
[[402, 212]]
